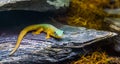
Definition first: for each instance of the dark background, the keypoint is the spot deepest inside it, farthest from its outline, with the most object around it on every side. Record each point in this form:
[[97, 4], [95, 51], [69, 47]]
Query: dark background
[[22, 18]]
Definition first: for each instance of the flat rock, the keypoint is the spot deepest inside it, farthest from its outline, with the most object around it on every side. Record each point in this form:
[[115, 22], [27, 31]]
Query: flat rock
[[113, 11], [114, 25], [33, 5], [36, 49]]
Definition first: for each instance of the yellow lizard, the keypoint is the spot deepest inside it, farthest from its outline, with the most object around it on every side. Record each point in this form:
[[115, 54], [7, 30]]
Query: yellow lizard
[[49, 29]]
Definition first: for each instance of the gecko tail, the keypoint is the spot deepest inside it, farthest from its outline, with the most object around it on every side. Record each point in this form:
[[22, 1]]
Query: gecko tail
[[22, 34]]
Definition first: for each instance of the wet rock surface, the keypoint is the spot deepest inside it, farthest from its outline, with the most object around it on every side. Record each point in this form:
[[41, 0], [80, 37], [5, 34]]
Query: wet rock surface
[[33, 5], [36, 49], [113, 11], [114, 24]]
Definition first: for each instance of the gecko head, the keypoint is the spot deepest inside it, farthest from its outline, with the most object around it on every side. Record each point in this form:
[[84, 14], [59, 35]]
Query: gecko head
[[59, 32]]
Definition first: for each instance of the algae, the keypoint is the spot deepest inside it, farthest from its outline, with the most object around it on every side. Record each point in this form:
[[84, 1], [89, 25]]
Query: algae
[[89, 13], [94, 58]]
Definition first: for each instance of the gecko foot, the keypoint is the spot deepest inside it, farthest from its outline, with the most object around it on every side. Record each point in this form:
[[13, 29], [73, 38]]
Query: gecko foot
[[47, 37]]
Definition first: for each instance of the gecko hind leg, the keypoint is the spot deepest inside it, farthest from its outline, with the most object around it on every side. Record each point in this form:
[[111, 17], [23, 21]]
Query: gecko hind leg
[[37, 31]]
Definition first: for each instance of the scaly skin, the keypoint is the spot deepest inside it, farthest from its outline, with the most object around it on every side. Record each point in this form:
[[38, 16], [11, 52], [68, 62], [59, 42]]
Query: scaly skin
[[47, 28]]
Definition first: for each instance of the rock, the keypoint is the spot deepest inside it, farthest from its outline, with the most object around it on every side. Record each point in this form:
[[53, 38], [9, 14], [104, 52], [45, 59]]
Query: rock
[[114, 25], [117, 43], [36, 49], [33, 5], [113, 11]]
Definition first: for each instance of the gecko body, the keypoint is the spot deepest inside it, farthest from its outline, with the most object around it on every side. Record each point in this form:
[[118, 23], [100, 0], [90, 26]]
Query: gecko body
[[49, 29]]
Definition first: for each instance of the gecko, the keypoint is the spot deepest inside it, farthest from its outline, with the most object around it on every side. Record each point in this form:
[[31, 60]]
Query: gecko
[[49, 29]]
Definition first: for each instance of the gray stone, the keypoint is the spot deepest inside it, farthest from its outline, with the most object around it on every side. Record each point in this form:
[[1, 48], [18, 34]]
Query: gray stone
[[33, 5], [113, 11], [36, 49], [114, 25]]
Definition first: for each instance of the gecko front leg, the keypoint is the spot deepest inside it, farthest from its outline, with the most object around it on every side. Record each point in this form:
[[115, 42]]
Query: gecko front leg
[[48, 35], [49, 32]]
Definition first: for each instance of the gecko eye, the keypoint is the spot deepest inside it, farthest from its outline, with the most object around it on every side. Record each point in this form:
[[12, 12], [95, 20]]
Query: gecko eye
[[55, 33]]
